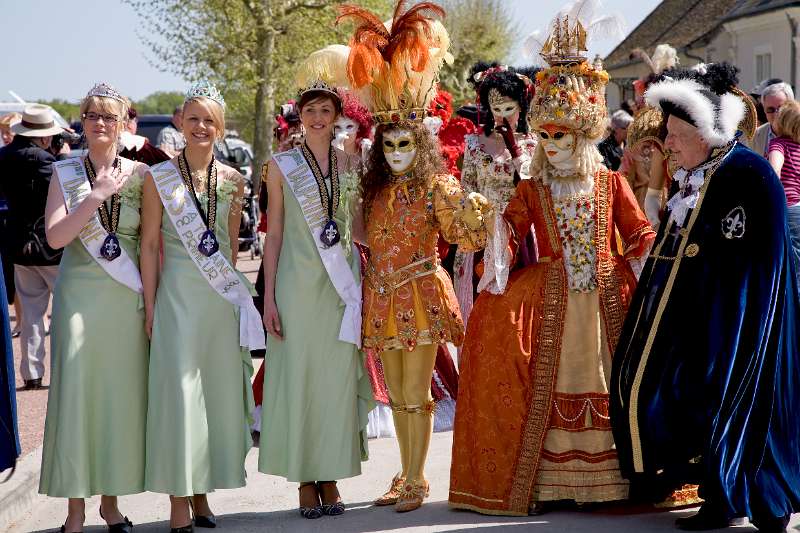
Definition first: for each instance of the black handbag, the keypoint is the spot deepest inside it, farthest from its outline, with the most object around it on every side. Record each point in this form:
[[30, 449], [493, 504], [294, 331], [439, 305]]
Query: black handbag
[[36, 246]]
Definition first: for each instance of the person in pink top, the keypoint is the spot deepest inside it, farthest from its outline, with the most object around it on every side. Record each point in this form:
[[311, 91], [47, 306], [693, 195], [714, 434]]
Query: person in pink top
[[783, 153]]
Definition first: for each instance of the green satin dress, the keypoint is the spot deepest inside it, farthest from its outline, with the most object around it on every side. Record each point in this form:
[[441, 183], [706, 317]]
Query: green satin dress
[[200, 394], [94, 438], [316, 392]]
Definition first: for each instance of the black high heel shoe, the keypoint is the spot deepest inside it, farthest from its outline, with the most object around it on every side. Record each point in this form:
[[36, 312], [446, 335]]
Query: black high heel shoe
[[331, 509], [126, 526], [209, 522], [310, 512]]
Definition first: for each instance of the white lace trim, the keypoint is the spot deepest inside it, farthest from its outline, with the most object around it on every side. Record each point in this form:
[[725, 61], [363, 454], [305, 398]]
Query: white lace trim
[[564, 187], [496, 259]]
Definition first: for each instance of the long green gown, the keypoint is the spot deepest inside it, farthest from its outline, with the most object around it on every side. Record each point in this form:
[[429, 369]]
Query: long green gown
[[94, 438], [316, 392], [200, 395]]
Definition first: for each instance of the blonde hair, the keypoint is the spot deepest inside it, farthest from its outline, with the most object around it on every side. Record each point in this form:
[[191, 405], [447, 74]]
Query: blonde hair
[[787, 123], [214, 109], [589, 159], [105, 104], [6, 121]]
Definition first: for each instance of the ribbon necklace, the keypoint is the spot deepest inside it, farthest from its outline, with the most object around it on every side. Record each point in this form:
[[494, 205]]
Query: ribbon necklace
[[209, 245], [110, 249], [330, 203]]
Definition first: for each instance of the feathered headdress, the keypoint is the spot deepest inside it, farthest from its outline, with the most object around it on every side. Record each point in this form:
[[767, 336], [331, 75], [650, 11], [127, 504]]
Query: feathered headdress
[[571, 92], [394, 67], [323, 70]]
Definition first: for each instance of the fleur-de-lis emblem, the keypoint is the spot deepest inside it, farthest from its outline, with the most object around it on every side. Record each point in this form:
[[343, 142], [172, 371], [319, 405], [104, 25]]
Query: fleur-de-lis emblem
[[733, 225]]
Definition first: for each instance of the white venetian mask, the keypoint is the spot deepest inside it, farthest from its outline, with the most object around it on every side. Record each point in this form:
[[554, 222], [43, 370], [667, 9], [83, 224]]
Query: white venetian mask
[[559, 146], [400, 149], [502, 106], [344, 130]]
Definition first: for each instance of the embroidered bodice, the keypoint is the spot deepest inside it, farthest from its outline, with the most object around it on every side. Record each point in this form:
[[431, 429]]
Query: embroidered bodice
[[493, 176], [575, 217]]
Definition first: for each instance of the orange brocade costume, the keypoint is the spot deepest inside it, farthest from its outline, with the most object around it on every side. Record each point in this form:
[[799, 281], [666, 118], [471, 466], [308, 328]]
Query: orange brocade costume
[[408, 296], [532, 420]]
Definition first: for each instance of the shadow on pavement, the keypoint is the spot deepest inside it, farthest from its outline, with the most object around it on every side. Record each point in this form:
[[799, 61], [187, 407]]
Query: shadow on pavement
[[436, 516]]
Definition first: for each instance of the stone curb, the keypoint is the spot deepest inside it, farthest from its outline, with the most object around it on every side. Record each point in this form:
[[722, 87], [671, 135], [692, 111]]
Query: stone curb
[[18, 493]]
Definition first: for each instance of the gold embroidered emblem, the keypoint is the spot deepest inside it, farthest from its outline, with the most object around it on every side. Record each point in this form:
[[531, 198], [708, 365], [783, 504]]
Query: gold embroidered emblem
[[692, 250]]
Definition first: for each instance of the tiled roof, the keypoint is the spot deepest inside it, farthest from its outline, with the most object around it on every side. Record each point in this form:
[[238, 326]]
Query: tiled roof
[[676, 22], [745, 8]]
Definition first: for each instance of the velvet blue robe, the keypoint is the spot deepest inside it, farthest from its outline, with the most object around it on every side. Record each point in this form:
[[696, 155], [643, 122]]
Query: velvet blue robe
[[716, 397], [9, 438]]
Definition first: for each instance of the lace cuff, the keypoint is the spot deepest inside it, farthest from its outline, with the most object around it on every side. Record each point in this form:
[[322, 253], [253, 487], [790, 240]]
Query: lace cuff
[[496, 259]]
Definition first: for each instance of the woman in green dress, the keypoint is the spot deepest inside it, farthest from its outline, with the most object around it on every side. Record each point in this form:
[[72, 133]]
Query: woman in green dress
[[198, 433], [94, 440], [316, 394]]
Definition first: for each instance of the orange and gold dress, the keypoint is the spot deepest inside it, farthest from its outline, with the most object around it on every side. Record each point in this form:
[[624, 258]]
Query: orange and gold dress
[[408, 296], [532, 420]]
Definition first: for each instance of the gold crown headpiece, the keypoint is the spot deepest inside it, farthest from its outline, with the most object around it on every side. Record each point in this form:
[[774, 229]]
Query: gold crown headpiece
[[571, 91], [394, 67]]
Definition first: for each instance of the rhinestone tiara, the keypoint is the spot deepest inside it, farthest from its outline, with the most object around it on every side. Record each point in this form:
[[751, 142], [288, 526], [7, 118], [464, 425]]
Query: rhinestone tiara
[[205, 89], [318, 85], [106, 91]]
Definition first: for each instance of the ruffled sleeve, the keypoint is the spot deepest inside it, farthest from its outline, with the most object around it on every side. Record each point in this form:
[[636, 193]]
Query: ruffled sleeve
[[448, 200]]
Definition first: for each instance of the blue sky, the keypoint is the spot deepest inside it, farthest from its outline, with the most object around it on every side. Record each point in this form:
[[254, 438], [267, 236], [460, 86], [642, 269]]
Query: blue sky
[[56, 49]]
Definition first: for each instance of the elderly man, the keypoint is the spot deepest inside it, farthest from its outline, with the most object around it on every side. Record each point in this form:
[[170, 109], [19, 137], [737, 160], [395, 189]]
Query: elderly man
[[612, 147], [170, 139], [705, 372], [772, 98], [25, 170]]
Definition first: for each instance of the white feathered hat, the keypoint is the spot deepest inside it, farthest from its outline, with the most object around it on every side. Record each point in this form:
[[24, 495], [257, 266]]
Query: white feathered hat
[[704, 98]]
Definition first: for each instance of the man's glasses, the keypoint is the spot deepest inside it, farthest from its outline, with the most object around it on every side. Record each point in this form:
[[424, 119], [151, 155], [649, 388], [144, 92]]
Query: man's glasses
[[94, 117], [771, 110]]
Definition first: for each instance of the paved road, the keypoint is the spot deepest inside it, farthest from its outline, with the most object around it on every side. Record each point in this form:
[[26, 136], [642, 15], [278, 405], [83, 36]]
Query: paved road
[[268, 503]]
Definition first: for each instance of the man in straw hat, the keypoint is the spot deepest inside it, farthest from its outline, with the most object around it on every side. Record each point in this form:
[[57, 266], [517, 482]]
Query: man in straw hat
[[704, 373], [25, 169]]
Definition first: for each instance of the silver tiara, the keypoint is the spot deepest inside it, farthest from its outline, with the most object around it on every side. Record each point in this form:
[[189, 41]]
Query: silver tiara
[[106, 91], [318, 85], [206, 89]]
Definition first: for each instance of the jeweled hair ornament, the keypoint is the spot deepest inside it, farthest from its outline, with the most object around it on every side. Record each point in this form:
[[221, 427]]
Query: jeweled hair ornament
[[205, 89], [105, 90], [324, 70]]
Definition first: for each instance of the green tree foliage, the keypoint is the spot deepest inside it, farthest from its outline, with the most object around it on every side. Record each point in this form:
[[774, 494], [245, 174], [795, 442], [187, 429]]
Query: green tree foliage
[[159, 103], [248, 47], [70, 111], [479, 30]]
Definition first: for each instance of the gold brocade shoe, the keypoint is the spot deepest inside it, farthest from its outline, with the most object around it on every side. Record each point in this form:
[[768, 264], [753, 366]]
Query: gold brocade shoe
[[411, 496], [393, 494]]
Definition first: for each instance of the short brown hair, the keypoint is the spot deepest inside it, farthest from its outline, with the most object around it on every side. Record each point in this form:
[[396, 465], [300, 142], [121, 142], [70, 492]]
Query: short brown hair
[[787, 123], [313, 96]]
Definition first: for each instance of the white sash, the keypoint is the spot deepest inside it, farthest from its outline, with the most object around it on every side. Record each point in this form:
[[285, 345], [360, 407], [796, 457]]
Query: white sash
[[301, 182], [217, 271], [75, 187]]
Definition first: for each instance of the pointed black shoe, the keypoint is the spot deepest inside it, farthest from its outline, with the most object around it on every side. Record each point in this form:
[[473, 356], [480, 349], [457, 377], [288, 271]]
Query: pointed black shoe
[[705, 519], [126, 526], [182, 529], [771, 524], [209, 522]]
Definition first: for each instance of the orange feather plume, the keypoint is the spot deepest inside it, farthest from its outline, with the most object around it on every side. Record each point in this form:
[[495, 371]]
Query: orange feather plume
[[382, 56]]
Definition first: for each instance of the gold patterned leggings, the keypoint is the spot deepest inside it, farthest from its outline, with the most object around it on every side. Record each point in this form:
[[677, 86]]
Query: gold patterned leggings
[[408, 378]]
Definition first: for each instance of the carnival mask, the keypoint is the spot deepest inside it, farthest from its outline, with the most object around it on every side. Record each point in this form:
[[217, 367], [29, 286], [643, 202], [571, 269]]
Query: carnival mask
[[502, 106], [558, 143], [400, 150], [344, 130]]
